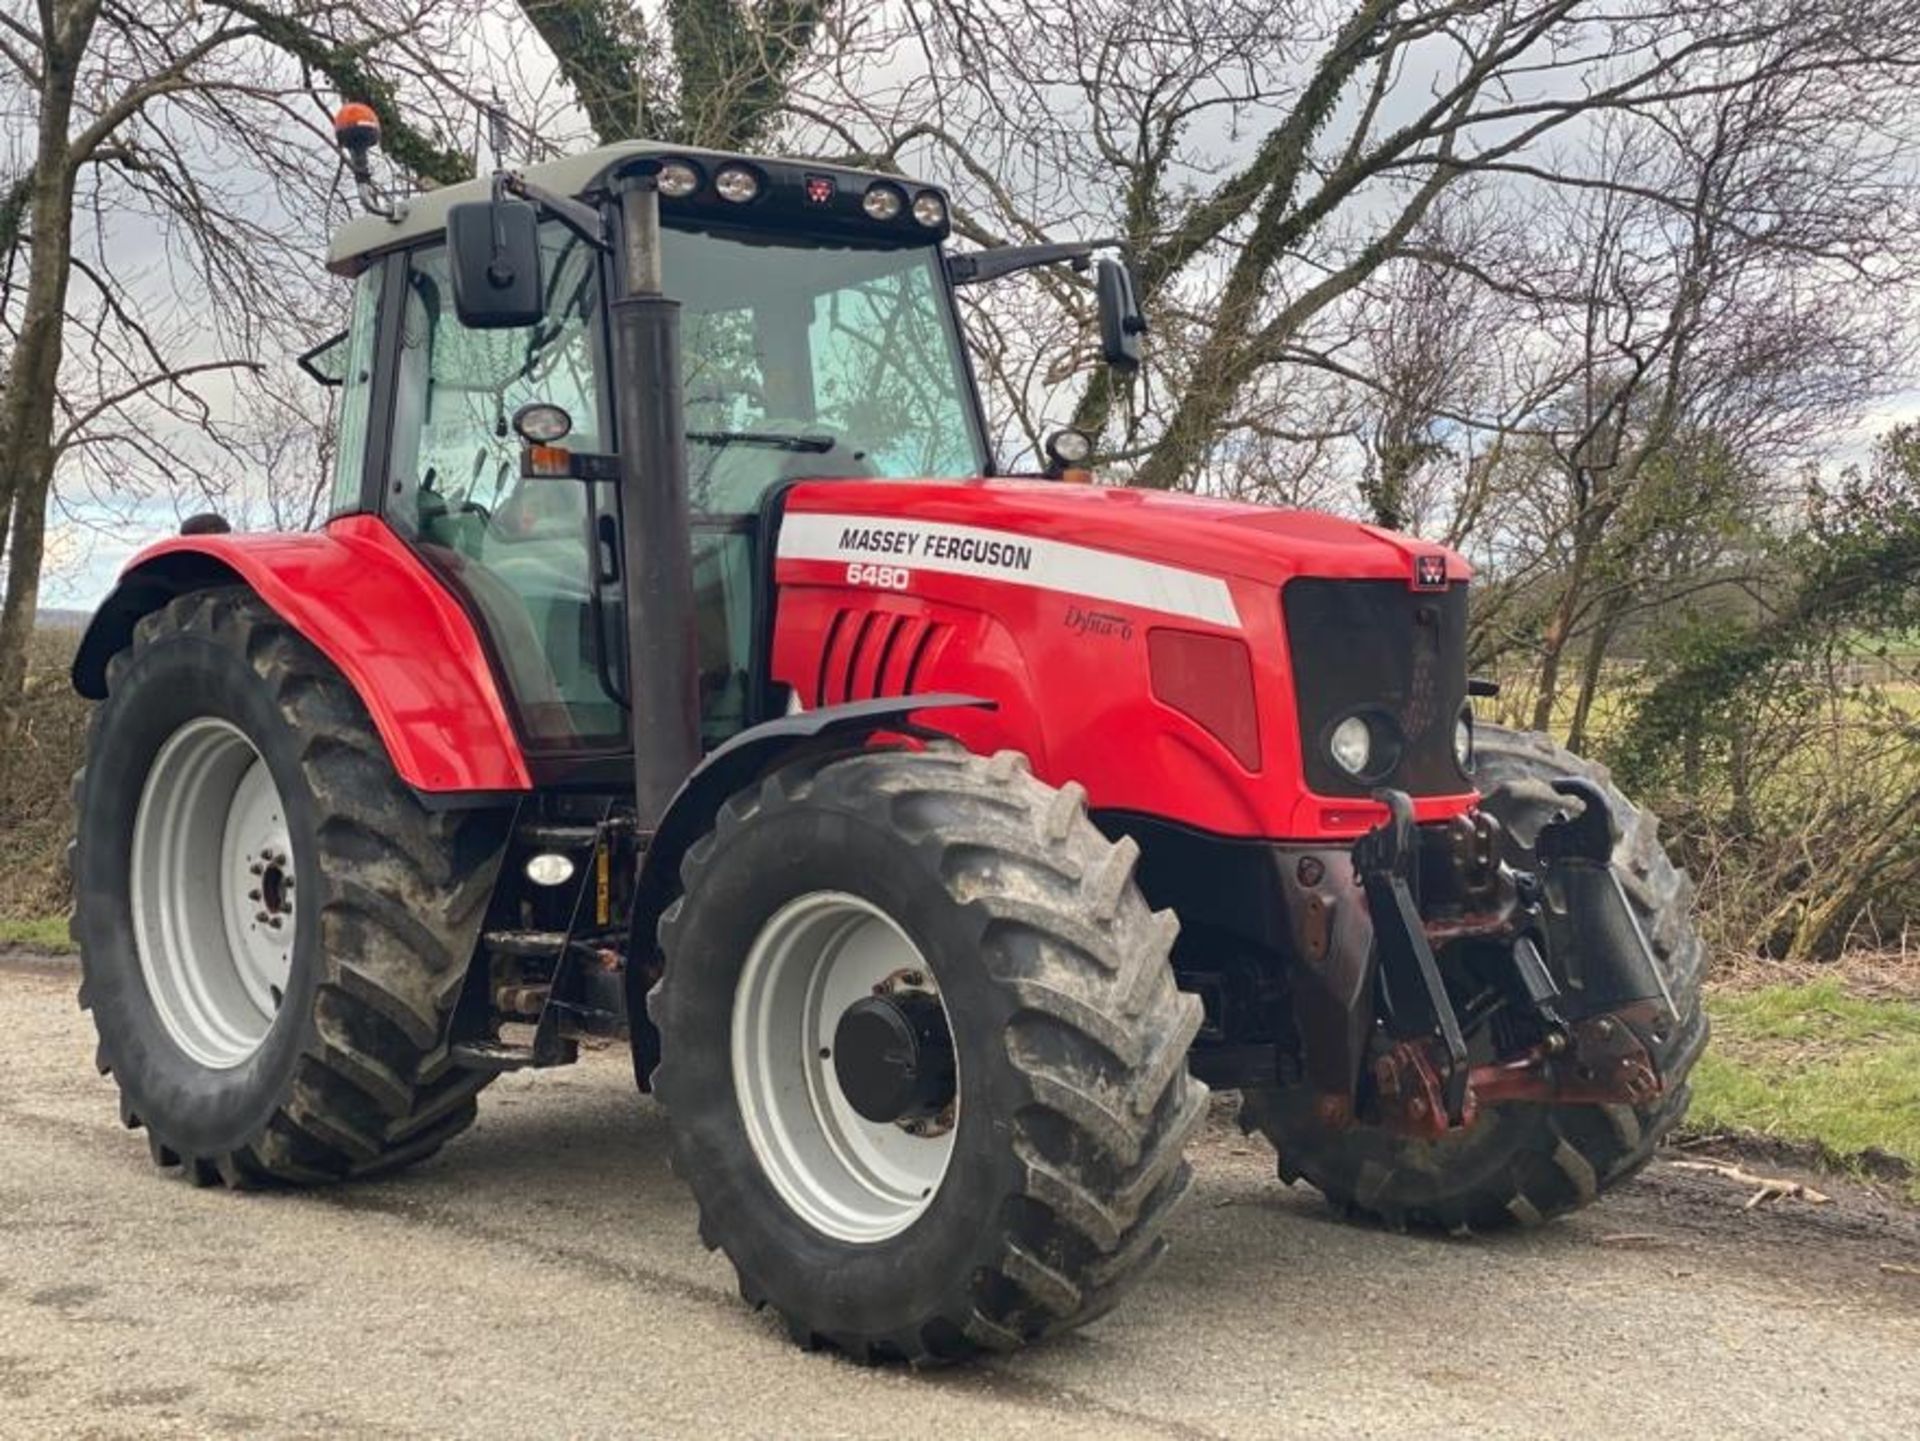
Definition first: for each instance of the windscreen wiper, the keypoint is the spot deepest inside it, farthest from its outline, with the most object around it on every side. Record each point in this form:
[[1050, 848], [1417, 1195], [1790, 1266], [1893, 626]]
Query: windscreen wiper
[[769, 439]]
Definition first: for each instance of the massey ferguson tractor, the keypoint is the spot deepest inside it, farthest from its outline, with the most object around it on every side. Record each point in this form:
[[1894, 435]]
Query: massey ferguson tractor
[[676, 667]]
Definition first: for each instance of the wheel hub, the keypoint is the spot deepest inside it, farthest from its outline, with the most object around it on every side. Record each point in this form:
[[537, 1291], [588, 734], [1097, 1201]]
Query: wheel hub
[[212, 892], [893, 1057], [844, 1067]]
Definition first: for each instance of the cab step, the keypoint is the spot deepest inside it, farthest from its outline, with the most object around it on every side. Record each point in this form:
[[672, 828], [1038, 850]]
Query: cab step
[[569, 835], [539, 944], [495, 1056]]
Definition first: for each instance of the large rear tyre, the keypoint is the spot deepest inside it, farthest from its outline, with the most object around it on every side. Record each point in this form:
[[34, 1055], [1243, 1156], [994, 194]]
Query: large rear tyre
[[923, 1056], [272, 928], [1517, 1164]]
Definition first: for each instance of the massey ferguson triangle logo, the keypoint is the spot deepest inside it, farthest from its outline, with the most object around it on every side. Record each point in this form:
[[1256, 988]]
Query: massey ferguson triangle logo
[[1429, 572]]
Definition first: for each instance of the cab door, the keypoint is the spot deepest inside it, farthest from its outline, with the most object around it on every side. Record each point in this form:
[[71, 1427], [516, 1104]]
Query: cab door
[[525, 554]]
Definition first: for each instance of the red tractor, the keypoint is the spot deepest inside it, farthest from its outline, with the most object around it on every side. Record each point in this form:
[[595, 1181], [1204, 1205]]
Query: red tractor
[[674, 667]]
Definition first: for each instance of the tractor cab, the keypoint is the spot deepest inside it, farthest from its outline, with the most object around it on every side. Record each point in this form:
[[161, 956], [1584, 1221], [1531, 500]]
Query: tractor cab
[[818, 339]]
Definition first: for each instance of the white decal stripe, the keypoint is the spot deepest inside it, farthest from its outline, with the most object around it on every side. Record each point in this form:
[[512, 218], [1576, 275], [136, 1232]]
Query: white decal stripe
[[1011, 557]]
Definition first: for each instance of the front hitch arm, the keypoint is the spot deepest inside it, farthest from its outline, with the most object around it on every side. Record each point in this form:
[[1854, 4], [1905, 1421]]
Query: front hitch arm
[[1415, 992]]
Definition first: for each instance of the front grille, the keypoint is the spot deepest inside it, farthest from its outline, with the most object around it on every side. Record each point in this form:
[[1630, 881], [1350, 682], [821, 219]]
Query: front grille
[[1380, 647]]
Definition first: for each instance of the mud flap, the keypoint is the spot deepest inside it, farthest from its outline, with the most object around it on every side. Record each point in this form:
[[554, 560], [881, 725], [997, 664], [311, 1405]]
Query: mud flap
[[1600, 959]]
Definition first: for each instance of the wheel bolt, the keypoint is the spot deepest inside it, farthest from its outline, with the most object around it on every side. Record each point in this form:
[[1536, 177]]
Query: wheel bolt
[[253, 895], [274, 921]]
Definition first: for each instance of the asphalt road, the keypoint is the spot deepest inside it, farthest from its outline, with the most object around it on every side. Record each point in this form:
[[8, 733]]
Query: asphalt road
[[542, 1277]]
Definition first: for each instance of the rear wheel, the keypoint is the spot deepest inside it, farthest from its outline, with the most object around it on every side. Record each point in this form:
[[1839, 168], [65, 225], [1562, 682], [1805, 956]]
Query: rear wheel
[[923, 1056], [272, 928], [1517, 1163]]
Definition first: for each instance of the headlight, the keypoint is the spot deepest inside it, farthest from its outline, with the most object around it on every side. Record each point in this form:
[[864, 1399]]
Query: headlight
[[1352, 745], [736, 183], [677, 179], [549, 868], [882, 202], [1463, 742], [930, 210]]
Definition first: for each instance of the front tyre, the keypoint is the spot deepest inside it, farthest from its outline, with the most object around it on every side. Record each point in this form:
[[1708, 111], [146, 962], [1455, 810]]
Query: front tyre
[[1518, 1164], [923, 1056], [272, 928]]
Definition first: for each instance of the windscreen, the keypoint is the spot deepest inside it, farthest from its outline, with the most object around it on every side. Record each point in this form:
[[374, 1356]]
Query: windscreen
[[815, 359]]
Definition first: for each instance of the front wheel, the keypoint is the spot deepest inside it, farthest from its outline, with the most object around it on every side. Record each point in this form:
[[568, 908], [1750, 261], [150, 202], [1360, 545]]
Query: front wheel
[[923, 1056], [1518, 1163]]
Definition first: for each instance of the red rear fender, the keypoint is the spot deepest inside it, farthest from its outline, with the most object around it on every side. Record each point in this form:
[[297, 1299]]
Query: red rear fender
[[367, 603]]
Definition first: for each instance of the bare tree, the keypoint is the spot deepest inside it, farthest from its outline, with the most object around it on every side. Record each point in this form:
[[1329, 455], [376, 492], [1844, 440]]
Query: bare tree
[[712, 73], [1738, 298], [1266, 163], [151, 236]]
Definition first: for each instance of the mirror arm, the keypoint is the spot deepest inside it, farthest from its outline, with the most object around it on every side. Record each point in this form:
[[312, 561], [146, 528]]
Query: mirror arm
[[583, 220], [306, 360], [972, 267]]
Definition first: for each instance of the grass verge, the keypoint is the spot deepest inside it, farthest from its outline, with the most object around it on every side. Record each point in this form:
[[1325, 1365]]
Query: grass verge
[[1808, 1062], [42, 933]]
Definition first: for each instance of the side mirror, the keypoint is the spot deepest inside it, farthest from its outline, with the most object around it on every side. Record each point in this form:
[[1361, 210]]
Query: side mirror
[[493, 250], [1121, 324]]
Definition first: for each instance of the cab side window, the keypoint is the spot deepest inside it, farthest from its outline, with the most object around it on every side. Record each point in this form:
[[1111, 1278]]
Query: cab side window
[[519, 549], [356, 391]]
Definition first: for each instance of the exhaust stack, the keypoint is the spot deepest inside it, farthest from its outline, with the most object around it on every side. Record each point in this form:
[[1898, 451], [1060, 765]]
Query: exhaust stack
[[656, 525]]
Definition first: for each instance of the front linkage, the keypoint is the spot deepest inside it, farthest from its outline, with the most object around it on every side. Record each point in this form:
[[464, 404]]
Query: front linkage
[[1575, 956]]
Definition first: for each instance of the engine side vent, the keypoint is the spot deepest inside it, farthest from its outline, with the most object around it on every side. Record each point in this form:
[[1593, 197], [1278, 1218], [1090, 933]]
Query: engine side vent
[[869, 654]]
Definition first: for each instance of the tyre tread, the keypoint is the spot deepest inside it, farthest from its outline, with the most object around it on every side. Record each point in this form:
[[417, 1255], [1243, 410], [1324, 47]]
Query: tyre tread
[[1099, 1034]]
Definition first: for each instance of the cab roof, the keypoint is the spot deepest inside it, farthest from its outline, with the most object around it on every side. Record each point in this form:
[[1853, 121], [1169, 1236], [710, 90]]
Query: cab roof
[[425, 214]]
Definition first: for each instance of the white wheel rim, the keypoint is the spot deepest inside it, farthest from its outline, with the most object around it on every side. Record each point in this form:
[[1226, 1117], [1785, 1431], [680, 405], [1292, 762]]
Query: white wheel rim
[[848, 1177], [212, 887]]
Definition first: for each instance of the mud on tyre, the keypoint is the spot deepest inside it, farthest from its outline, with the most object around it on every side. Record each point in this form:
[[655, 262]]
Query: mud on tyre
[[234, 781], [1518, 1163], [1073, 1100]]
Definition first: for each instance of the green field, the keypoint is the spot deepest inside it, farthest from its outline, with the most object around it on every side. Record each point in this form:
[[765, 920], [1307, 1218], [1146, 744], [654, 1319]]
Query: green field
[[1808, 1062], [42, 933]]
